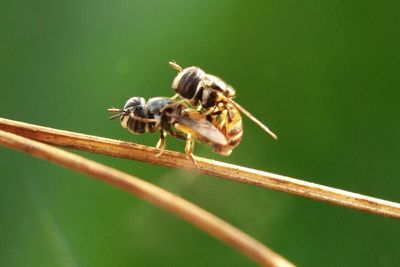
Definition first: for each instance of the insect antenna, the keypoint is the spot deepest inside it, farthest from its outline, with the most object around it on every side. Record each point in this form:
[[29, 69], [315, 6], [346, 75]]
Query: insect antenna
[[175, 65], [115, 110], [254, 119]]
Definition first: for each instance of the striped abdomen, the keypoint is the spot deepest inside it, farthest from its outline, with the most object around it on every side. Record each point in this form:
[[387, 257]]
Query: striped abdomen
[[133, 124], [232, 129]]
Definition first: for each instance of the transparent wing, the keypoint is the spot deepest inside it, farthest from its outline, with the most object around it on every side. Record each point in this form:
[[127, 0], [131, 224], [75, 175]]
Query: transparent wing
[[196, 124]]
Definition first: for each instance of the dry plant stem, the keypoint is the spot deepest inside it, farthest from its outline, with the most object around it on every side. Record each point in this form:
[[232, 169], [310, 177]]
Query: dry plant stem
[[160, 197], [227, 171]]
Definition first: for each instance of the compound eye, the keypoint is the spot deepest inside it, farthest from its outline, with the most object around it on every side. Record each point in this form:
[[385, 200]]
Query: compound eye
[[134, 103], [187, 81], [176, 81]]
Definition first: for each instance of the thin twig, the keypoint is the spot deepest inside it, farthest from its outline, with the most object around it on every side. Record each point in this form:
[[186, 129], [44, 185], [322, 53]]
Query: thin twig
[[172, 159], [160, 197]]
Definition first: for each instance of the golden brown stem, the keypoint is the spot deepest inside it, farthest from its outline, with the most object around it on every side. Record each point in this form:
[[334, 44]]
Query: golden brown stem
[[160, 197], [172, 159]]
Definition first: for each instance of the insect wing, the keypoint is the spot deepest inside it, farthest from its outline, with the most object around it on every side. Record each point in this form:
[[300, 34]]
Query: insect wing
[[201, 128], [254, 119]]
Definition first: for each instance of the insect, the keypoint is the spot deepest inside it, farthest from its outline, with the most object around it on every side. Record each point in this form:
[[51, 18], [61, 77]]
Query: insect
[[209, 92], [164, 115]]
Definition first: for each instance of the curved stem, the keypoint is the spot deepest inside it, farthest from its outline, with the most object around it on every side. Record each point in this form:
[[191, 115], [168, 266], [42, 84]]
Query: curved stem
[[160, 197], [232, 172]]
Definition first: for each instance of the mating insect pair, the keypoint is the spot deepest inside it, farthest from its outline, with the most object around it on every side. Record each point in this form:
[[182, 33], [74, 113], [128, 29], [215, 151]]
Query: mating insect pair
[[202, 109], [168, 116]]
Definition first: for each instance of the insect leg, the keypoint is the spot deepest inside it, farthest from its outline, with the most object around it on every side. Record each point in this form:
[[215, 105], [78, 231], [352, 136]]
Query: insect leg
[[146, 120], [212, 111], [176, 96], [189, 149], [161, 143], [223, 118], [180, 102]]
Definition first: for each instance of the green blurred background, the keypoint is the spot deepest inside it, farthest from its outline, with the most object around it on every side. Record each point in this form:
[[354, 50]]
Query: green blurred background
[[324, 75]]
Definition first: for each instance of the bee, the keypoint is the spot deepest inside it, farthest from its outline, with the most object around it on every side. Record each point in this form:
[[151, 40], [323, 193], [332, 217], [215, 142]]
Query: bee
[[209, 92], [164, 115]]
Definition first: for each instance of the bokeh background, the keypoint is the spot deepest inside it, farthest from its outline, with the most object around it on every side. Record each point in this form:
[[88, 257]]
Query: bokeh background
[[324, 75]]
